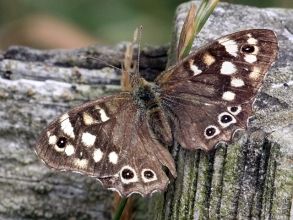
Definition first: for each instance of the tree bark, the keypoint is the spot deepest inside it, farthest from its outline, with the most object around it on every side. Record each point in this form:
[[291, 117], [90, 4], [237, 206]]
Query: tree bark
[[250, 179]]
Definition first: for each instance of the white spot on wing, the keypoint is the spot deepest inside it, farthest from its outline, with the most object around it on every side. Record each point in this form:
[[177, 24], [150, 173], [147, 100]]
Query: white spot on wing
[[194, 68], [228, 68], [252, 40], [87, 119], [103, 114], [230, 45], [66, 126], [250, 58], [236, 82], [255, 73], [69, 150], [81, 163], [208, 59], [228, 96], [113, 157], [97, 155], [52, 140], [88, 139]]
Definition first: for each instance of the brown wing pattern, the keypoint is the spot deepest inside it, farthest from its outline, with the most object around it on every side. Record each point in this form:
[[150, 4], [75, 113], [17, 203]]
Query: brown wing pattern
[[109, 140], [211, 91]]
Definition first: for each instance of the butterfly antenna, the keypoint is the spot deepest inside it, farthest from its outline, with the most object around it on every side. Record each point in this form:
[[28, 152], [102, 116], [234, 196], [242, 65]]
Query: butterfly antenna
[[107, 64]]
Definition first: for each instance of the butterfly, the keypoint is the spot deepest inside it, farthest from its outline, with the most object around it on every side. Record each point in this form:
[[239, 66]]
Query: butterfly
[[198, 102]]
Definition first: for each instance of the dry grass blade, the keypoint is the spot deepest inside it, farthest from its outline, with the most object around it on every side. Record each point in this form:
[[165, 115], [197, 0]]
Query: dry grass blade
[[187, 34], [127, 68]]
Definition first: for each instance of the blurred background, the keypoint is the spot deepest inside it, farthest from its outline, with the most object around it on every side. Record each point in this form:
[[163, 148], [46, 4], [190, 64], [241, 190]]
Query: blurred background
[[79, 23]]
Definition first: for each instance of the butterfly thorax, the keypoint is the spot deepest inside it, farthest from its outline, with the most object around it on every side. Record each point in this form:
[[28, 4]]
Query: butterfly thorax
[[146, 94]]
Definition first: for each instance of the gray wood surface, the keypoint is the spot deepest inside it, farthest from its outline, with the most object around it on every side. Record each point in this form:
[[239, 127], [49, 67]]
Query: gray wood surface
[[35, 87], [249, 179]]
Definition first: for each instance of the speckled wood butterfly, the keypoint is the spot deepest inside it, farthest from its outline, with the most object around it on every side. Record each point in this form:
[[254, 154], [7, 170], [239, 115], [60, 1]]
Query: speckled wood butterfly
[[198, 102]]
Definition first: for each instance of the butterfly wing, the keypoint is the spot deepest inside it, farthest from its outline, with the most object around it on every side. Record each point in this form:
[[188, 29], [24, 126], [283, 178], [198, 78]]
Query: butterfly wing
[[210, 92], [108, 139]]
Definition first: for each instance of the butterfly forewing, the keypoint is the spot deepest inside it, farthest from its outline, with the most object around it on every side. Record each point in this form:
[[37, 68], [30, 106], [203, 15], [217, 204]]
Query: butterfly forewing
[[108, 139], [211, 91]]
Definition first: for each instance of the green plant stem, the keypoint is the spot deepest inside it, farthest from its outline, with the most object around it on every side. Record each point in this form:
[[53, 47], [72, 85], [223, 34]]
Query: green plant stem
[[120, 209], [204, 12]]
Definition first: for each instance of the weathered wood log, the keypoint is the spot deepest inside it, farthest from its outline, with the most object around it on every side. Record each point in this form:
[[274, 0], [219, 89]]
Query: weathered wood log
[[249, 179], [35, 87]]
